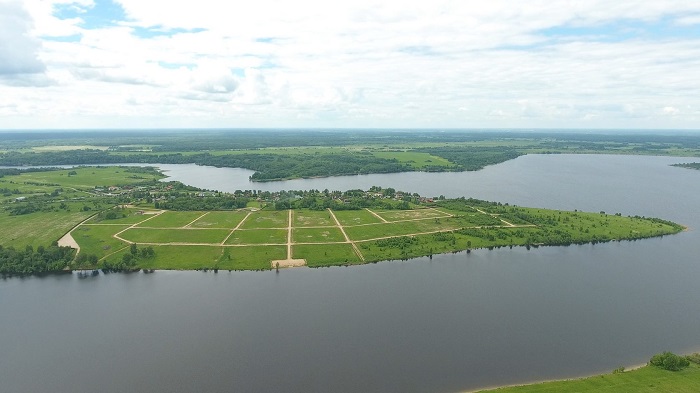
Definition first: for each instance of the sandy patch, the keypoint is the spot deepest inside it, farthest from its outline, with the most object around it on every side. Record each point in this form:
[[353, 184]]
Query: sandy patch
[[288, 263], [68, 241]]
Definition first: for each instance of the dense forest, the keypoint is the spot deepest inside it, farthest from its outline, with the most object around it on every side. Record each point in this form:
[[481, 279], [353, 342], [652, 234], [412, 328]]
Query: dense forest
[[270, 166], [30, 261]]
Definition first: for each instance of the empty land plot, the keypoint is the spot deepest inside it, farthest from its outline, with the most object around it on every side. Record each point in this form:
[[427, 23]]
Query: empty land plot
[[171, 219], [98, 239], [197, 236], [251, 257], [317, 235], [124, 216], [37, 229], [355, 217], [220, 220], [475, 219], [179, 257], [318, 255], [402, 215], [267, 219], [399, 229], [258, 236], [313, 218]]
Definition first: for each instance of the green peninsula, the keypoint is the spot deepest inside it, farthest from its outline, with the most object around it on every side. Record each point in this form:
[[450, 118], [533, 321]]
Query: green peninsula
[[135, 221]]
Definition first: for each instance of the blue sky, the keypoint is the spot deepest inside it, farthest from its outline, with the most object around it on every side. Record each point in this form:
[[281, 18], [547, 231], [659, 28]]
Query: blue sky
[[319, 64]]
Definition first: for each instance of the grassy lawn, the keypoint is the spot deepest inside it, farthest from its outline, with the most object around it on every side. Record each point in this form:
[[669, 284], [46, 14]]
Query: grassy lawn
[[39, 228], [97, 239], [317, 235], [267, 219], [312, 218], [171, 219], [220, 220], [355, 217], [258, 236], [647, 379], [325, 255], [251, 257], [144, 235]]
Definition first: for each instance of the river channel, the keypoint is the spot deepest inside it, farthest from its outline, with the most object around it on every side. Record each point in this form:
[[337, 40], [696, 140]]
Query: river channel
[[456, 322]]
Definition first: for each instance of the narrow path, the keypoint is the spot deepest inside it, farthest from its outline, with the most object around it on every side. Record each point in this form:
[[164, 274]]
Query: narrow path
[[354, 246], [116, 235], [67, 240], [377, 215], [236, 228], [195, 220], [494, 216]]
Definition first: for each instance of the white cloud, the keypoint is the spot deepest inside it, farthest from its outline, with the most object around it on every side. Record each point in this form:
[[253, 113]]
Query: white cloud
[[18, 50], [361, 63]]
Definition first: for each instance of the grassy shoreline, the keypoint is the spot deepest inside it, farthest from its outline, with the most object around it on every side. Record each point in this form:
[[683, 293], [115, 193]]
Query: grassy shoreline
[[638, 378]]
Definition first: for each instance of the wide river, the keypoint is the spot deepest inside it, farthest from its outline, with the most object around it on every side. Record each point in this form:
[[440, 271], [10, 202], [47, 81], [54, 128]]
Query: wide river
[[456, 322]]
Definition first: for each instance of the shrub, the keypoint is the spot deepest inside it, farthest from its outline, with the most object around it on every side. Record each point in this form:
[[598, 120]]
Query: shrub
[[669, 361], [695, 358]]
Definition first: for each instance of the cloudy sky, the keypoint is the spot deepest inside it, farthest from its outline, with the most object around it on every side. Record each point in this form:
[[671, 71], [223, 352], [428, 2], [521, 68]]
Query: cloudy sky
[[338, 64]]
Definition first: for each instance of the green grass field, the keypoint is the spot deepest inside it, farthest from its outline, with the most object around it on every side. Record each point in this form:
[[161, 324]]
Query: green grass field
[[86, 177], [644, 380], [356, 217], [171, 219], [317, 235], [258, 236], [403, 215], [414, 159], [220, 220], [37, 229], [98, 239], [267, 219], [312, 218], [199, 236], [325, 255]]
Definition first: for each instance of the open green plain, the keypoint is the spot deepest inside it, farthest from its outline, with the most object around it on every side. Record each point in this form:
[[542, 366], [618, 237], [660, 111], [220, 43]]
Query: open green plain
[[647, 379]]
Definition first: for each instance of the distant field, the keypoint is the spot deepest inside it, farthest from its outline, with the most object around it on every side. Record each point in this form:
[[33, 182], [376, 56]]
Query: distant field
[[415, 159], [85, 177]]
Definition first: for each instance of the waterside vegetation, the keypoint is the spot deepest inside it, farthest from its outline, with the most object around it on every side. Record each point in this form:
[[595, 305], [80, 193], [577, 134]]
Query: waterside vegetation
[[653, 378], [287, 154]]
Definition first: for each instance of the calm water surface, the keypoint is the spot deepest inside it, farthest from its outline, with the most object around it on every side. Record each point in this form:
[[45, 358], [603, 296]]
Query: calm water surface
[[456, 322]]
